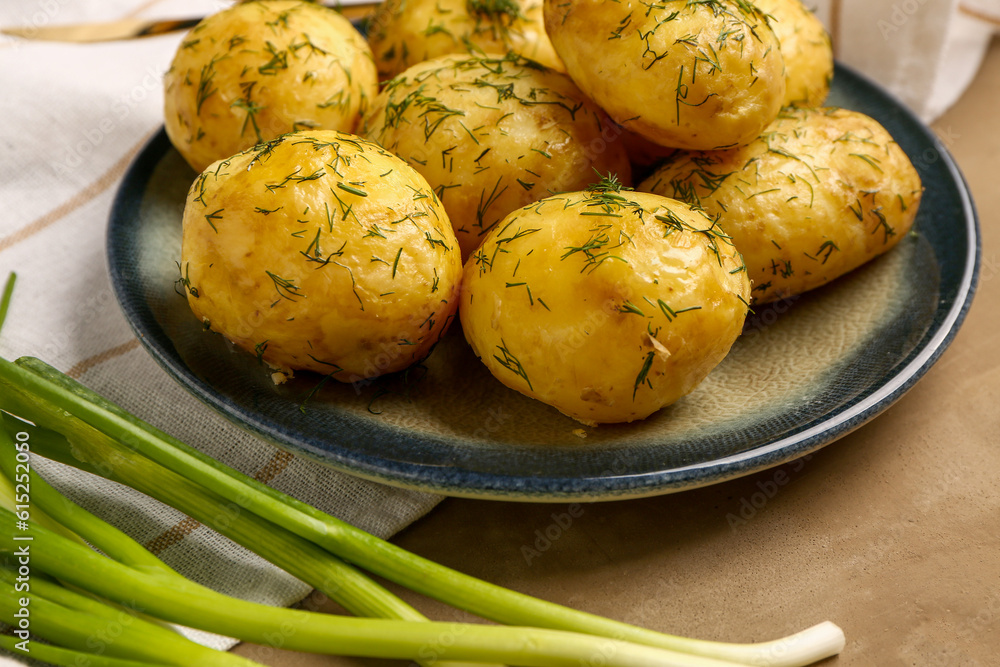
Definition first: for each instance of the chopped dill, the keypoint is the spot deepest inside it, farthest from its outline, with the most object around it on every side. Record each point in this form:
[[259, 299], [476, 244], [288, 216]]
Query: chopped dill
[[511, 363], [629, 307], [260, 348], [183, 282], [873, 162], [395, 262], [643, 372], [214, 215], [286, 289], [352, 189]]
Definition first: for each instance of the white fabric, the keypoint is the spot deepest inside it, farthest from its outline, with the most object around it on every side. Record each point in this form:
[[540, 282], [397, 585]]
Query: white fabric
[[73, 117], [924, 51]]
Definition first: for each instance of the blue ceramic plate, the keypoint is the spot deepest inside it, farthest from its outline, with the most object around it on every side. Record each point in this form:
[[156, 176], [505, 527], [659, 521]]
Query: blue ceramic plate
[[803, 374]]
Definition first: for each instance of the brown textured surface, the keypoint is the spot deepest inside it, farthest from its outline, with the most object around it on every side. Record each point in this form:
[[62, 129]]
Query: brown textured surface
[[893, 533]]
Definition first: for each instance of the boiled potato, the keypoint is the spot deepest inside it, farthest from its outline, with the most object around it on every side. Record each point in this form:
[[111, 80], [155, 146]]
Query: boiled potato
[[406, 32], [695, 75], [806, 49], [492, 133], [605, 304], [818, 194], [320, 251], [261, 69]]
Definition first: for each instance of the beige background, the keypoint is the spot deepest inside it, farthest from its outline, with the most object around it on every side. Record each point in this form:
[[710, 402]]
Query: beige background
[[893, 532]]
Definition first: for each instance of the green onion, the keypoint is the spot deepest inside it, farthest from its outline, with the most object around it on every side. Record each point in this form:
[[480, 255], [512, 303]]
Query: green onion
[[50, 399], [328, 574], [47, 502], [8, 493], [148, 585], [8, 292], [78, 622], [341, 582], [55, 655], [178, 600]]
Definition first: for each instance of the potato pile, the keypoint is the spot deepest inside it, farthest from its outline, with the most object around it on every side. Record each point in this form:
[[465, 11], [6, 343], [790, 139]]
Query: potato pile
[[493, 177]]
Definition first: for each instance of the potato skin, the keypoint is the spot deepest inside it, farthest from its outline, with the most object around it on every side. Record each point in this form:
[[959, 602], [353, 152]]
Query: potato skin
[[805, 48], [320, 251], [406, 32], [821, 192], [606, 305], [260, 69], [492, 133], [699, 76]]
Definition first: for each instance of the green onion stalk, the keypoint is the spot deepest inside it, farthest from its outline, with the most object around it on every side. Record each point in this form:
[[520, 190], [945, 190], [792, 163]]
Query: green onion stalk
[[55, 655], [8, 291], [8, 495], [84, 626], [134, 578], [104, 437], [343, 583], [90, 631], [169, 597]]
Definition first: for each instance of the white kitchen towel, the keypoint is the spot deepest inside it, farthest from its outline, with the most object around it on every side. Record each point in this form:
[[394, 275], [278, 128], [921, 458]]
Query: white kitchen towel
[[73, 117], [923, 51]]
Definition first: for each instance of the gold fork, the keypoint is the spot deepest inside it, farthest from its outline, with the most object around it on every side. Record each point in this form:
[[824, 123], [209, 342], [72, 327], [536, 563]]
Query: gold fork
[[136, 27]]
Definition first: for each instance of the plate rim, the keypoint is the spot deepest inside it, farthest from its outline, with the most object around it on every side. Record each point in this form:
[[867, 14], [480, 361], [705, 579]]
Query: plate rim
[[487, 485]]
